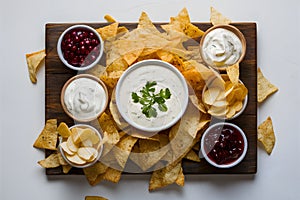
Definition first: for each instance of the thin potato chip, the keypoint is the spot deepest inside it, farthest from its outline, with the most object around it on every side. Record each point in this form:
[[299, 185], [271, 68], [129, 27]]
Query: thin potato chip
[[33, 62], [266, 135], [216, 18], [48, 137], [51, 161], [264, 87]]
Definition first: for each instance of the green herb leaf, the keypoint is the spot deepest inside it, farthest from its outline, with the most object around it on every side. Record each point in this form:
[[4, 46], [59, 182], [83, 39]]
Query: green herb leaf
[[149, 98]]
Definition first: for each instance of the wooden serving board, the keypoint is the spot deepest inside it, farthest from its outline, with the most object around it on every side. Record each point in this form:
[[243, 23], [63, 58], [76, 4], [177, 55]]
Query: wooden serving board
[[57, 74]]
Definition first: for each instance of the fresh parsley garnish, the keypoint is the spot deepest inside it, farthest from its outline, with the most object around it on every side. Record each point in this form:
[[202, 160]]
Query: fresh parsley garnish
[[148, 98]]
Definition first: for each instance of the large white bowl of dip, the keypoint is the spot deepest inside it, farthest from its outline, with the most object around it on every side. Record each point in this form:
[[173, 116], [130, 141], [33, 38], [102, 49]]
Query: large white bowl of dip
[[84, 97], [222, 46], [135, 78]]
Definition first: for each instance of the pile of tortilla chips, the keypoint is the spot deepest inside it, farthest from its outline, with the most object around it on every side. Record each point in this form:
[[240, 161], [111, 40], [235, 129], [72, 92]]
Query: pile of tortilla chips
[[162, 153]]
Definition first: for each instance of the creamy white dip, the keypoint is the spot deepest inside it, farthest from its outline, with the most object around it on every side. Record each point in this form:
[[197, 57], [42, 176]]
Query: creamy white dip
[[85, 98], [221, 47], [165, 78]]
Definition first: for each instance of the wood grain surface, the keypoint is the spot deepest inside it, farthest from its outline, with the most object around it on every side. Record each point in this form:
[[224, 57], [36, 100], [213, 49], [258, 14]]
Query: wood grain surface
[[57, 74]]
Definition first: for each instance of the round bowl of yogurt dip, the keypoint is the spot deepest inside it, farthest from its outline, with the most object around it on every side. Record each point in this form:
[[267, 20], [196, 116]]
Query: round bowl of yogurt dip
[[222, 46], [147, 79], [84, 97]]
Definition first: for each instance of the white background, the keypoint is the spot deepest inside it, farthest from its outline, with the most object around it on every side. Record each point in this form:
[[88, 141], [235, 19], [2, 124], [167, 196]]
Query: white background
[[22, 30]]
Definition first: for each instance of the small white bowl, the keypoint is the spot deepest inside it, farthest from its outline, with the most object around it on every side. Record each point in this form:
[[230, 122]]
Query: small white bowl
[[81, 27], [204, 152], [102, 88], [245, 101], [166, 76], [100, 148]]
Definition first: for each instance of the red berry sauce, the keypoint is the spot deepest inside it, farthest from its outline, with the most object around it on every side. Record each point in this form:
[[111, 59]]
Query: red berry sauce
[[80, 47], [224, 144]]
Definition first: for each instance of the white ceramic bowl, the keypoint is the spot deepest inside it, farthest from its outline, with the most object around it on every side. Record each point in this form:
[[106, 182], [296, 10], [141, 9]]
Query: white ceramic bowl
[[245, 101], [166, 76], [102, 104], [232, 29], [100, 46], [100, 147], [205, 151]]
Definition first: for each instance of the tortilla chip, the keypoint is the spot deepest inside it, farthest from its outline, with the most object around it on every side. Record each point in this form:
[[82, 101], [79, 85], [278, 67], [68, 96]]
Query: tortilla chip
[[191, 155], [164, 176], [66, 168], [93, 172], [33, 62], [193, 31], [109, 127], [233, 73], [64, 130], [109, 31], [264, 87], [216, 18], [146, 23], [48, 137], [51, 161], [109, 19], [266, 135], [112, 175], [122, 30], [180, 178], [95, 198]]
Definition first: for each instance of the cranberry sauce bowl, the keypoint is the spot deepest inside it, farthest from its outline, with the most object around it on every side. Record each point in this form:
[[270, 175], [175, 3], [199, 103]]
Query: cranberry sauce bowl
[[80, 47], [224, 145]]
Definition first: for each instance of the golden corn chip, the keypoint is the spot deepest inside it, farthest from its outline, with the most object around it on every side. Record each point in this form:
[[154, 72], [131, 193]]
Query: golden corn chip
[[264, 87], [165, 176], [122, 29], [66, 168], [109, 19], [266, 135], [178, 23], [193, 31], [109, 126], [48, 137], [61, 160], [112, 175], [131, 57], [92, 172], [64, 130], [109, 31], [123, 150], [165, 56], [216, 18], [51, 161], [233, 73], [111, 79], [95, 198], [33, 62], [146, 23], [191, 155], [180, 178]]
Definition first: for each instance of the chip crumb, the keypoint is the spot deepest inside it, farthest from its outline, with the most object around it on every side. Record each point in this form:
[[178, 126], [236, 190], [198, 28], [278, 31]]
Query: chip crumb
[[266, 135]]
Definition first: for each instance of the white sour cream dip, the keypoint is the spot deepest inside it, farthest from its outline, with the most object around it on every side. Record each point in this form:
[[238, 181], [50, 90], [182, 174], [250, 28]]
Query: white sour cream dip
[[221, 47], [85, 98], [136, 79]]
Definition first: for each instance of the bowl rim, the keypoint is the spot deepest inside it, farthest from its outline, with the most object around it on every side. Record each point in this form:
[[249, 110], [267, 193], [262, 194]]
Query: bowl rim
[[67, 83], [145, 63], [237, 161], [245, 101], [60, 54], [231, 28], [88, 163]]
